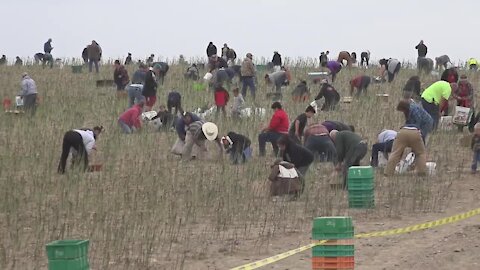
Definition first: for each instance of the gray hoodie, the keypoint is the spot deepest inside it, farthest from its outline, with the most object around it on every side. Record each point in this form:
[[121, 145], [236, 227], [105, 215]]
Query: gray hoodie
[[28, 86]]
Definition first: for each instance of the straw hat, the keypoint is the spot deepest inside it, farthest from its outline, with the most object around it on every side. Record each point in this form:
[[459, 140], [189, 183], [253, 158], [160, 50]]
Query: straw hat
[[210, 130]]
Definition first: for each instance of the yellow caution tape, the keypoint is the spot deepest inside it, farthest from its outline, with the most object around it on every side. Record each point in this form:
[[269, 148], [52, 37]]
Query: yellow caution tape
[[409, 229], [278, 257]]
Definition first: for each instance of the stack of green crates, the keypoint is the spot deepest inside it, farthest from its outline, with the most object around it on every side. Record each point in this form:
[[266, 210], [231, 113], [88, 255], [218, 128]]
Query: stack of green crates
[[361, 187], [333, 255], [68, 255]]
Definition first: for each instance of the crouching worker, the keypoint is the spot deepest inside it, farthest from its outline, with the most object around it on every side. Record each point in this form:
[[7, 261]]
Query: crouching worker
[[301, 92], [296, 154], [332, 97], [129, 121], [238, 146], [285, 180], [384, 144], [80, 142], [197, 134], [408, 136]]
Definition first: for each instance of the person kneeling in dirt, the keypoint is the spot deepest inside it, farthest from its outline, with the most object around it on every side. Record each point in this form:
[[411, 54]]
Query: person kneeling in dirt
[[408, 136], [197, 134], [181, 125], [238, 146], [285, 180], [129, 121], [301, 92], [332, 97]]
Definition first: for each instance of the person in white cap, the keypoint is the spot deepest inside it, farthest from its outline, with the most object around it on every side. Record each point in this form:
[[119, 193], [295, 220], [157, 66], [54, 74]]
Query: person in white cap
[[28, 94], [197, 133]]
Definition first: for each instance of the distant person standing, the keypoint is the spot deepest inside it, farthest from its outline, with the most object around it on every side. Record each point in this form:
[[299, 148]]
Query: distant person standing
[[47, 47], [323, 58], [3, 60], [94, 54], [225, 50], [120, 75], [238, 104], [364, 58], [28, 94], [277, 61], [134, 90], [128, 60], [248, 76], [472, 64], [18, 61], [211, 49], [85, 55], [150, 90], [421, 49]]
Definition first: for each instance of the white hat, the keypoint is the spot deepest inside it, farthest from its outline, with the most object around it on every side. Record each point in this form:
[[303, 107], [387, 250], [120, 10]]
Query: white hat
[[210, 130]]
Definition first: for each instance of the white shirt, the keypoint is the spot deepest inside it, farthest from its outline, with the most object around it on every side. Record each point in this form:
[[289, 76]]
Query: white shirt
[[88, 139], [387, 135]]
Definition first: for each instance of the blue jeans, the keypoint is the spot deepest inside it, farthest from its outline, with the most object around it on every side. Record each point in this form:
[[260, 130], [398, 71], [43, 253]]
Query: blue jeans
[[250, 83], [134, 94], [269, 136], [385, 147], [90, 65], [125, 128], [476, 160]]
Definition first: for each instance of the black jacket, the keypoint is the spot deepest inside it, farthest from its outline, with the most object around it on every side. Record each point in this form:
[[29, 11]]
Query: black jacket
[[297, 154], [277, 59], [240, 142], [211, 50], [150, 85], [422, 50], [413, 85], [328, 92]]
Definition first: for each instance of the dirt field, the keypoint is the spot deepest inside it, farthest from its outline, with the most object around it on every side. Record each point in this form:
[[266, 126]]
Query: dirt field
[[148, 210]]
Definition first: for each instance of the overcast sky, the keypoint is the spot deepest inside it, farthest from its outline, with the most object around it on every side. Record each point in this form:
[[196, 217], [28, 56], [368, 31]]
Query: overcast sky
[[296, 28]]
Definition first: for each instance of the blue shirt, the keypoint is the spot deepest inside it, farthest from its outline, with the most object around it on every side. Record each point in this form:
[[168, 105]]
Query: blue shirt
[[420, 119], [181, 127]]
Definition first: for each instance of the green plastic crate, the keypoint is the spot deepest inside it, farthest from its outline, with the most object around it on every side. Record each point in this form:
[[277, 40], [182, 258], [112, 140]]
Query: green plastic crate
[[67, 249], [360, 172], [333, 251], [316, 235], [361, 194], [333, 224], [360, 185], [361, 205], [73, 264]]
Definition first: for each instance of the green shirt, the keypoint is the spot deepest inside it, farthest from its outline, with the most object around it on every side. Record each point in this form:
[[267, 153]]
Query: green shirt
[[435, 92], [345, 141]]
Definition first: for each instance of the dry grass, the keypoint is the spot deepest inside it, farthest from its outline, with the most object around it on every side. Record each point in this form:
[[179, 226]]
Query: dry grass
[[148, 210]]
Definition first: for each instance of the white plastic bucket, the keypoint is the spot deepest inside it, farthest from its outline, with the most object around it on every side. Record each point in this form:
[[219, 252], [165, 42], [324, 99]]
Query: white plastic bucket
[[208, 76], [431, 168]]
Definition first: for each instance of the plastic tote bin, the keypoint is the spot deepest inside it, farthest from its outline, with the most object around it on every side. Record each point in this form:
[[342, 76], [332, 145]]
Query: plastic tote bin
[[333, 224], [360, 172], [72, 264], [67, 249], [333, 251]]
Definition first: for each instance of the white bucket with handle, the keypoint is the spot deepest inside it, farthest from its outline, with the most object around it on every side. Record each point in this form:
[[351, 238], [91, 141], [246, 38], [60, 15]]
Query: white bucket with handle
[[431, 168]]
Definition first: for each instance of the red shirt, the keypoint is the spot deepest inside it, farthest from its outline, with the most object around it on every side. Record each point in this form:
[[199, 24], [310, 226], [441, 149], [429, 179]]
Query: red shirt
[[279, 122], [221, 97], [131, 117], [356, 82]]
